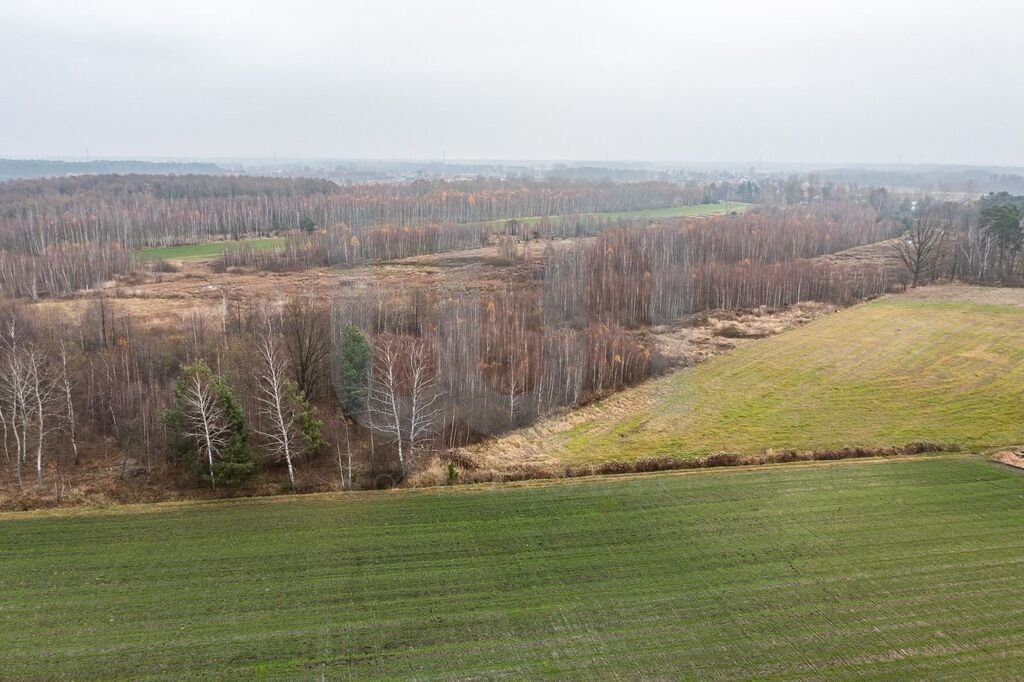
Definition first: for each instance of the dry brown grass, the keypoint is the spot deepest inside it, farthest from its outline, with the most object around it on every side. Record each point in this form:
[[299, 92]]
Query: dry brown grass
[[711, 333], [870, 255], [163, 298], [436, 473]]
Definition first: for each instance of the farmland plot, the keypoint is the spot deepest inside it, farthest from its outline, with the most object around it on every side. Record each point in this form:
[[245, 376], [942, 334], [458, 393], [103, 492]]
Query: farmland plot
[[886, 569]]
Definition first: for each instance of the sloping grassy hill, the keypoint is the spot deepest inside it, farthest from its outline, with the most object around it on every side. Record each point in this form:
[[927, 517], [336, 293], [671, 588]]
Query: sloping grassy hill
[[928, 367], [886, 570]]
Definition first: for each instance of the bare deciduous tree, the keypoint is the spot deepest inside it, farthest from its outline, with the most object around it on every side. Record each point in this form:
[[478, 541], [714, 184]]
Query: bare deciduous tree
[[307, 335], [27, 386], [276, 404], [42, 383], [205, 421], [68, 402], [384, 399], [17, 394], [403, 397], [921, 246], [424, 409], [348, 450]]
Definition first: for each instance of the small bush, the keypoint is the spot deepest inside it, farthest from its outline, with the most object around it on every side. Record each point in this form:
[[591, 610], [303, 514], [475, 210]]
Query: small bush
[[133, 278], [164, 265], [722, 459], [919, 447]]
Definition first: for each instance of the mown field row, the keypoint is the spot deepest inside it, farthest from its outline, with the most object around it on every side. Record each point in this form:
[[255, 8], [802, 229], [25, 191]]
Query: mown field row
[[896, 569]]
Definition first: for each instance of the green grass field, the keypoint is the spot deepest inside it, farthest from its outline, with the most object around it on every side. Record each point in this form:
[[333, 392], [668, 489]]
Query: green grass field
[[886, 570], [682, 211], [657, 213], [884, 373], [207, 251]]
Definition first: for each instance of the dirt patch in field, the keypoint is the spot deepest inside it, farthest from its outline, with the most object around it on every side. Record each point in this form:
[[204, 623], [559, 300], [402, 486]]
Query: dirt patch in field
[[704, 335], [878, 254], [1014, 459]]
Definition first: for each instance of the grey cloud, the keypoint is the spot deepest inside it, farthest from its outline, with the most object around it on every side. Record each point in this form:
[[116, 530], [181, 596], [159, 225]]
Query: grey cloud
[[788, 80]]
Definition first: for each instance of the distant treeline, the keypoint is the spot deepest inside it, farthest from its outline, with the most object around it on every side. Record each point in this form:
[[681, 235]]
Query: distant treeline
[[11, 169], [933, 179], [139, 210]]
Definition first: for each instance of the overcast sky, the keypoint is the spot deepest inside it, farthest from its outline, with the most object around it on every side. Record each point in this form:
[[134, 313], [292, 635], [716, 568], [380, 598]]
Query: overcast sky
[[785, 80]]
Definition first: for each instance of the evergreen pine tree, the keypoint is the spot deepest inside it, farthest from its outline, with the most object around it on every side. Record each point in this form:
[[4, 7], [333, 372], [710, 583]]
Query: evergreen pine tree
[[354, 359]]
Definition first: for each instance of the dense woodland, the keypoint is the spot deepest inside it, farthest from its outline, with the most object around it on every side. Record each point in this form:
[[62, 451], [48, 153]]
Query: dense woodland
[[59, 236], [11, 169], [140, 210], [364, 387], [436, 370]]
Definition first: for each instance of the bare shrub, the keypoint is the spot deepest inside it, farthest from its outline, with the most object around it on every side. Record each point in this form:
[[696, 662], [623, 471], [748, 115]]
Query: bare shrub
[[164, 266], [434, 474]]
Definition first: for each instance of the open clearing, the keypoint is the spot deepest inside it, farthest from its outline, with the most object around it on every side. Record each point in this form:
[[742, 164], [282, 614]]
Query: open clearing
[[662, 213], [683, 211], [886, 569], [196, 253], [942, 364]]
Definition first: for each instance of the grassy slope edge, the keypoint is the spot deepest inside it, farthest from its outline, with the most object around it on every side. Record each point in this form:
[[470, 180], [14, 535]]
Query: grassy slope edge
[[885, 373]]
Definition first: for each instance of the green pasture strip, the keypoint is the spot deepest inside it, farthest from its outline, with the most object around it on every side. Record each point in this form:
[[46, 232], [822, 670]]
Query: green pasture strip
[[206, 251]]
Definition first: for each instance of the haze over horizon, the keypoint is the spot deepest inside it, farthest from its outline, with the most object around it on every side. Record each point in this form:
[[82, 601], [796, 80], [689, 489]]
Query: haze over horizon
[[917, 82]]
